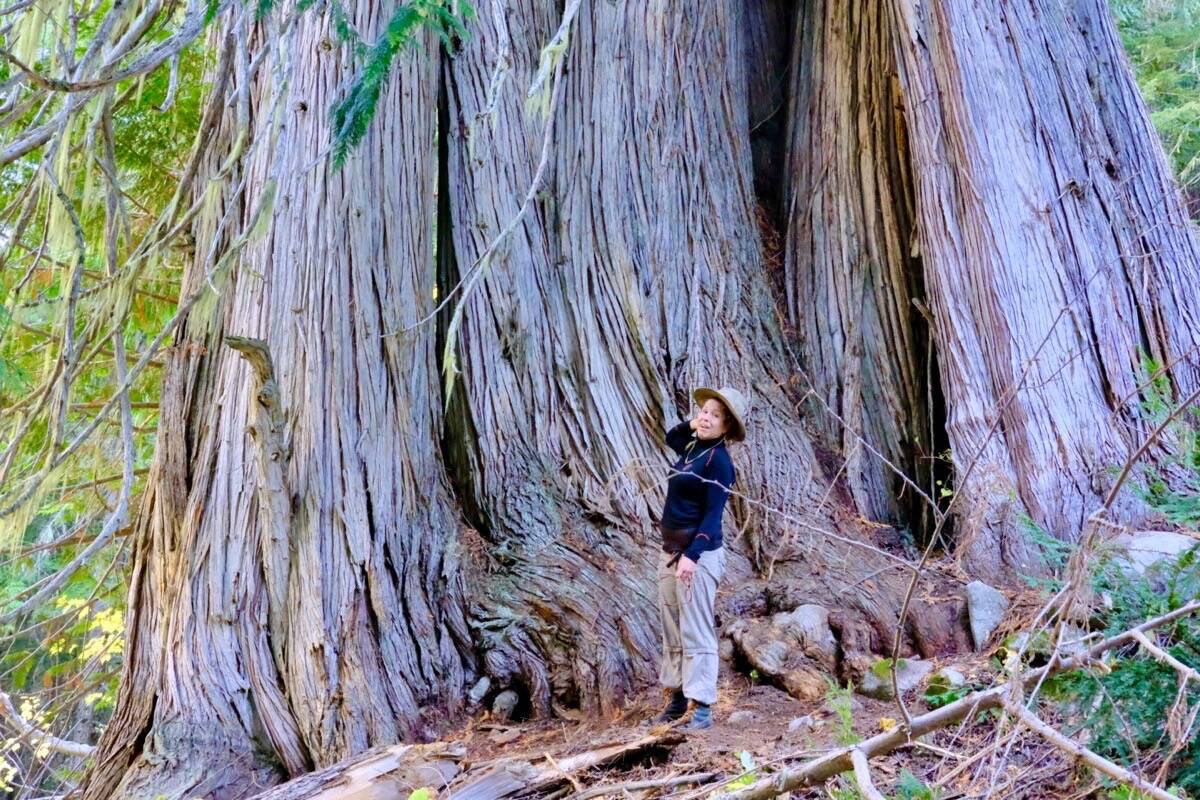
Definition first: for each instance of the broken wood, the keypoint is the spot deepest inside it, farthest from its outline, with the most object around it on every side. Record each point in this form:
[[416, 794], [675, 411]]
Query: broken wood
[[513, 777], [388, 773], [392, 773]]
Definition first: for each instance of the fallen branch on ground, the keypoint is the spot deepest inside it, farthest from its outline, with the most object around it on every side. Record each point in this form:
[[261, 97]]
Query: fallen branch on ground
[[1089, 757], [633, 786], [514, 777], [862, 775], [391, 772]]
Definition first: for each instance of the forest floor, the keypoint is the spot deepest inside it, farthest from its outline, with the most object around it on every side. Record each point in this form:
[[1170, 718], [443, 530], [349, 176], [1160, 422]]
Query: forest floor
[[772, 729]]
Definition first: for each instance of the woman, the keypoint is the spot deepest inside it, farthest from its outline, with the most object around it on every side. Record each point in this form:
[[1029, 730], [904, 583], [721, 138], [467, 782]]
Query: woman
[[693, 559]]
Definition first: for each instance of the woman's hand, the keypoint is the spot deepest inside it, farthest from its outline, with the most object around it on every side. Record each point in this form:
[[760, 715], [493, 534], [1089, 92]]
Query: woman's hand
[[685, 570]]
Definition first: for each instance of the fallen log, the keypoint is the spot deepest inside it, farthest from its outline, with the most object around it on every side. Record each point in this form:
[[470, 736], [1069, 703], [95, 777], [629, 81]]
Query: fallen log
[[387, 773], [393, 773]]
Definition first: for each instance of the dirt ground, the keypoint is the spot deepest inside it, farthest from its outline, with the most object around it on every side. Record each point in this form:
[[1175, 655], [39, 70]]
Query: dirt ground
[[777, 731]]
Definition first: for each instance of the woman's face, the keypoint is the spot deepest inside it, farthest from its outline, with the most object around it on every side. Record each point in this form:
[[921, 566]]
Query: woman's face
[[713, 420]]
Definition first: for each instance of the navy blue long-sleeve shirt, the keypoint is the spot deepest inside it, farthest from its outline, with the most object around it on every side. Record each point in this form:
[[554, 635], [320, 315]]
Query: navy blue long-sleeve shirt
[[697, 491]]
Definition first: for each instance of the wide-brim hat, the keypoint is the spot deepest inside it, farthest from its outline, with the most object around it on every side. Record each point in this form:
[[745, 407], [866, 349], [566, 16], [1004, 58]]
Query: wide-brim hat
[[733, 400]]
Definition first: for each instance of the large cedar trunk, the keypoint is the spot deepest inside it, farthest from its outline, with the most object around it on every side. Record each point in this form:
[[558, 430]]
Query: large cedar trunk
[[511, 535], [639, 277], [996, 165], [339, 578], [250, 656]]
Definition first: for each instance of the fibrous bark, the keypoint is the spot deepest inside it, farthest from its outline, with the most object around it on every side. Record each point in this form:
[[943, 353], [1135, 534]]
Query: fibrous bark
[[997, 165], [507, 530], [639, 278], [212, 702], [1056, 252], [852, 272]]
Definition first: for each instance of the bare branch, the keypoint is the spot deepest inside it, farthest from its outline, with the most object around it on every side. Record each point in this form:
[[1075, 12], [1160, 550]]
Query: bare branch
[[862, 775], [1186, 673], [1141, 451], [39, 737]]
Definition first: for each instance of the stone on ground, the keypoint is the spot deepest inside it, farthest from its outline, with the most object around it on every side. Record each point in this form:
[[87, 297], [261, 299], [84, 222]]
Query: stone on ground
[[877, 681], [986, 607], [794, 649]]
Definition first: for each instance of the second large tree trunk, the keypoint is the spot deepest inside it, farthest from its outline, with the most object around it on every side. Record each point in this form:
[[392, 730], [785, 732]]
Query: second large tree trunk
[[1057, 256], [638, 278]]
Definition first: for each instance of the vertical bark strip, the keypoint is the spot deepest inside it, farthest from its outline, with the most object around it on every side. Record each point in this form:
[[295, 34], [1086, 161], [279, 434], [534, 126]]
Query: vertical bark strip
[[1056, 254], [852, 275]]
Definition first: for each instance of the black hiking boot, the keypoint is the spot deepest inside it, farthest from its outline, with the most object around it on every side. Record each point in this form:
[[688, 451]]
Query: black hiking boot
[[701, 718], [676, 708]]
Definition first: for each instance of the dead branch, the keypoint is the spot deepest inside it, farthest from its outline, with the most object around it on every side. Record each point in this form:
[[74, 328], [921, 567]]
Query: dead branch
[[40, 738], [862, 775], [1185, 672], [633, 786], [394, 771], [509, 778], [1180, 408], [1089, 757]]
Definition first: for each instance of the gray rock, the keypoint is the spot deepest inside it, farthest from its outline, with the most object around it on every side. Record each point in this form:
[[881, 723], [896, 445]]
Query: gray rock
[[1144, 549], [805, 723], [877, 681], [985, 607], [725, 649], [504, 704], [949, 677], [479, 690], [742, 717]]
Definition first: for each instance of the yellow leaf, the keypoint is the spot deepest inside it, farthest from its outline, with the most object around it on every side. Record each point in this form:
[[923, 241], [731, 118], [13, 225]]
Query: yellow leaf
[[886, 723]]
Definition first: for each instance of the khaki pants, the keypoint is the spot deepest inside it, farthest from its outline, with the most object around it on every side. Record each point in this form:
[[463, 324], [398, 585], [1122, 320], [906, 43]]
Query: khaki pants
[[689, 627]]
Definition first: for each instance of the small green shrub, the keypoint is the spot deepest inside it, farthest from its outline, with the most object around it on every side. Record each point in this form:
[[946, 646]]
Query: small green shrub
[[1124, 705], [939, 692], [841, 703]]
